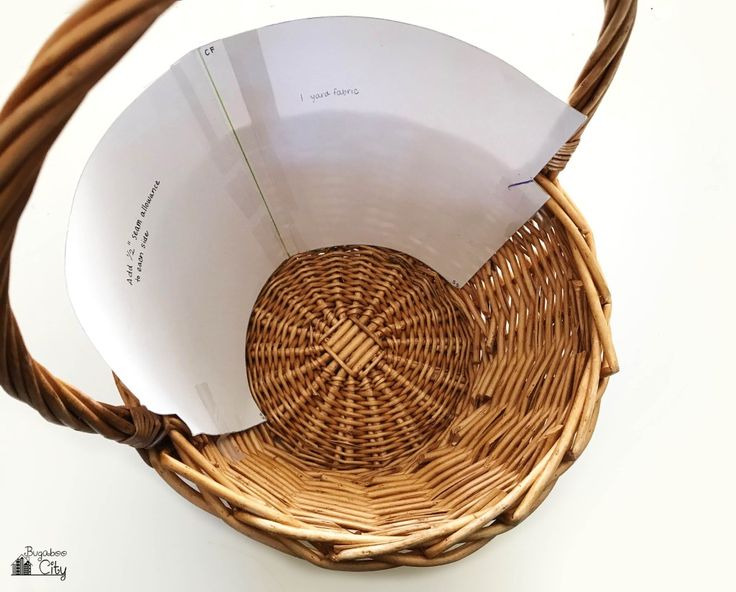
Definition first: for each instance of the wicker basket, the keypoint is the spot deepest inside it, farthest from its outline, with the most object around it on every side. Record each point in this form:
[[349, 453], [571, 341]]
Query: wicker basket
[[409, 422]]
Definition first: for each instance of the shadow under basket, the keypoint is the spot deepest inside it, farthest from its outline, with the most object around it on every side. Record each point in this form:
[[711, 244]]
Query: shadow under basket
[[408, 421]]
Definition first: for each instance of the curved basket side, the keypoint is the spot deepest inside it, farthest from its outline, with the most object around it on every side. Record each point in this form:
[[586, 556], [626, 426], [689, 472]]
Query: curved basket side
[[202, 480]]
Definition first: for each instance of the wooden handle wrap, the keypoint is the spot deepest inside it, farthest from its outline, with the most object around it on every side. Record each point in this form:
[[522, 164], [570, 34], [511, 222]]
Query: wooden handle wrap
[[598, 72], [76, 56]]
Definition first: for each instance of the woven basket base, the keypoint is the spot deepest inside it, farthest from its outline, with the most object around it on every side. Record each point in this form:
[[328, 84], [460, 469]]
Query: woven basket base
[[391, 406]]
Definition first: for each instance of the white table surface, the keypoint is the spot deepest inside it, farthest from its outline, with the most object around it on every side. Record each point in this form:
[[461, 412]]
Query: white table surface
[[650, 503]]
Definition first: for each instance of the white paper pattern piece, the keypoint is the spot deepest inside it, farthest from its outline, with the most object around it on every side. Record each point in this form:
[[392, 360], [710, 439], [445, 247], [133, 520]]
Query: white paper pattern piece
[[297, 136]]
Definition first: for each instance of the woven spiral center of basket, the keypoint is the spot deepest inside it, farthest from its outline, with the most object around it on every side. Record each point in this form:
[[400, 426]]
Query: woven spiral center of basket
[[357, 356], [353, 347]]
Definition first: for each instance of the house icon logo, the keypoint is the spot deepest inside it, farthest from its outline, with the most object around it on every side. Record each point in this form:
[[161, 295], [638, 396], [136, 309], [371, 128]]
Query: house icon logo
[[20, 567], [43, 562]]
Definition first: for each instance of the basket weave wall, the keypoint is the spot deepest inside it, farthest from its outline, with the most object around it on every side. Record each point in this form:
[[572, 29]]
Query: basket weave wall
[[409, 422]]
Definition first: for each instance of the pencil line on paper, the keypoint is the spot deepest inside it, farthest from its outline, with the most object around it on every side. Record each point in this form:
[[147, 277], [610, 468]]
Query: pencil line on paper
[[245, 157], [519, 183]]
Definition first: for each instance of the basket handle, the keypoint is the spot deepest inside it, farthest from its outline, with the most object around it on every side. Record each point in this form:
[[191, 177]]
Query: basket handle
[[597, 73], [74, 58]]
